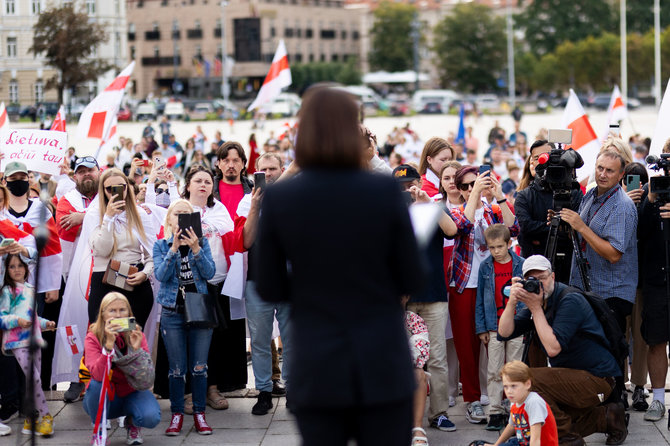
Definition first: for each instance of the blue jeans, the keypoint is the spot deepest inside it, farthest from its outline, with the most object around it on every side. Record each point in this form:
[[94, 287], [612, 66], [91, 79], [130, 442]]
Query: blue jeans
[[260, 317], [513, 441], [141, 406], [180, 340]]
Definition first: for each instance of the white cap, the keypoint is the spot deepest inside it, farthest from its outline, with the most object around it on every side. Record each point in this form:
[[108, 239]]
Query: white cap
[[536, 263]]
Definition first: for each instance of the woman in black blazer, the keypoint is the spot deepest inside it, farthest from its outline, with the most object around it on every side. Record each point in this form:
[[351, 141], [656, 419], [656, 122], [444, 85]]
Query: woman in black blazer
[[336, 241]]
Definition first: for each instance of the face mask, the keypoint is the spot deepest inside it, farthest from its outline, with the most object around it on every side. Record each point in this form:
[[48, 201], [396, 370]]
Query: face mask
[[18, 188], [163, 200]]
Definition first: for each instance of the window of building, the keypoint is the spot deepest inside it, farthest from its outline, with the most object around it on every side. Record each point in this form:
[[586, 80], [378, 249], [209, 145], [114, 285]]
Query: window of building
[[131, 28], [309, 33], [117, 6], [117, 43], [36, 6], [154, 26], [157, 52], [273, 31], [39, 91], [10, 7], [198, 51], [197, 24], [11, 47], [90, 7], [132, 52], [13, 91], [67, 2], [175, 25]]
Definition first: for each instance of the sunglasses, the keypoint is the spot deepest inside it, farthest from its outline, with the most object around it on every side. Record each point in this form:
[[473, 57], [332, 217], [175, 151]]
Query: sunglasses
[[86, 159], [161, 191], [466, 186], [110, 189]]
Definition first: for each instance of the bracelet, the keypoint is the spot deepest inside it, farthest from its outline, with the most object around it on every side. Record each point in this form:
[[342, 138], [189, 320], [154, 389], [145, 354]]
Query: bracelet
[[501, 201]]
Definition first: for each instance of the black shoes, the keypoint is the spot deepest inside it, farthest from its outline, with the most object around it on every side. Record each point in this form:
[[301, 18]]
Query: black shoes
[[497, 422], [74, 393], [278, 388], [264, 404], [639, 400], [8, 412]]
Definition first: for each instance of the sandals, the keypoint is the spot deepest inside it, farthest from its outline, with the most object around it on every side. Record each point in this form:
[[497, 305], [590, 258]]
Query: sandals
[[419, 440], [216, 401]]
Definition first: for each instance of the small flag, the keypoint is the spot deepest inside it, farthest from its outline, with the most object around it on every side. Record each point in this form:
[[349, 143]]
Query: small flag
[[460, 138], [584, 139], [278, 77], [4, 118], [59, 121], [616, 112]]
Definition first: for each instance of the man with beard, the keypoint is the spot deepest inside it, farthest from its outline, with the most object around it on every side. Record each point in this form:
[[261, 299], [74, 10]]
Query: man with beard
[[70, 214], [231, 181]]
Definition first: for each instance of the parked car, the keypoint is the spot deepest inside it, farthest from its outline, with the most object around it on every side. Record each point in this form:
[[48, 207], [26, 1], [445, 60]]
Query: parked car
[[399, 107], [124, 114], [146, 112], [13, 110], [200, 111], [286, 104], [225, 109], [174, 110], [487, 102], [601, 101], [441, 98], [432, 107]]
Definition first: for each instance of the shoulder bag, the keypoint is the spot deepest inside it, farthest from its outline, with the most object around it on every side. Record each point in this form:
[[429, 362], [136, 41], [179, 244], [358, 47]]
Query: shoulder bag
[[117, 274]]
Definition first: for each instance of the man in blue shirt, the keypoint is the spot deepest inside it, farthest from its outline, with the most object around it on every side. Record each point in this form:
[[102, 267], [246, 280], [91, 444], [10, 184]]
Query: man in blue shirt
[[583, 371]]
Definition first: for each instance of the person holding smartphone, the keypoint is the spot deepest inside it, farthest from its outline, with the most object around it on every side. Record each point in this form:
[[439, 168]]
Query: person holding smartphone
[[470, 250], [124, 232]]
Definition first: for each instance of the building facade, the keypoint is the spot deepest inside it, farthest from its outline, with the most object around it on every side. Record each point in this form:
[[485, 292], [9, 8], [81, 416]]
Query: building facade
[[23, 75], [176, 44]]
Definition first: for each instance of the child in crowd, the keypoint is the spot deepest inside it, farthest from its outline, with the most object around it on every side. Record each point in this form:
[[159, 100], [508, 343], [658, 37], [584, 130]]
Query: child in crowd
[[531, 417], [419, 345], [494, 281], [16, 317]]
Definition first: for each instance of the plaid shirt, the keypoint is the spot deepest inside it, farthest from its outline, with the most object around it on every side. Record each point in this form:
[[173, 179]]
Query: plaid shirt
[[465, 241]]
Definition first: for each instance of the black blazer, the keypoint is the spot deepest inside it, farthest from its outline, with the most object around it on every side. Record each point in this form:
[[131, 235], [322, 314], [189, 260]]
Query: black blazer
[[338, 245]]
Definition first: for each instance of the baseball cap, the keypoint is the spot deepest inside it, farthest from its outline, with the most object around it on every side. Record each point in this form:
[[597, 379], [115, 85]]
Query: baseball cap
[[536, 263], [86, 161], [15, 167], [405, 172]]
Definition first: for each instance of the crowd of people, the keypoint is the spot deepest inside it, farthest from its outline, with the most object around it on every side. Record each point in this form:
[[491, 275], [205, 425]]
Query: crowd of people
[[328, 251]]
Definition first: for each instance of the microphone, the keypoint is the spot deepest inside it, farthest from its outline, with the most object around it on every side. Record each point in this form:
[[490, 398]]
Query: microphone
[[652, 159]]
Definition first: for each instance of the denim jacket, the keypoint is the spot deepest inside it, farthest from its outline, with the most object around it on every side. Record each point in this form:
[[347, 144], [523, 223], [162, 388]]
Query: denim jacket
[[167, 265], [486, 314]]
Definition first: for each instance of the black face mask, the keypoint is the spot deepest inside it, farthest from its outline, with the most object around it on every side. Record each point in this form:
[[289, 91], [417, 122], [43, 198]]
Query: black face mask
[[18, 188]]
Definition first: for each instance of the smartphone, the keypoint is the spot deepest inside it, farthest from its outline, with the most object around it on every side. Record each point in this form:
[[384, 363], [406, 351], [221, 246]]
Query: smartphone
[[259, 181], [407, 197], [118, 191], [145, 163], [632, 183], [484, 168], [6, 242], [159, 163], [126, 323]]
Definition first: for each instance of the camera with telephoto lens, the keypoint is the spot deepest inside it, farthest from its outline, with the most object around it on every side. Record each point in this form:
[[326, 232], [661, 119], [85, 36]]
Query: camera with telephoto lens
[[532, 285], [660, 185]]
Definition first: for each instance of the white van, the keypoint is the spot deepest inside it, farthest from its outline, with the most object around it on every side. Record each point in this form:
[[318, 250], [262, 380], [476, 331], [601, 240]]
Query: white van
[[174, 110], [286, 104], [432, 100]]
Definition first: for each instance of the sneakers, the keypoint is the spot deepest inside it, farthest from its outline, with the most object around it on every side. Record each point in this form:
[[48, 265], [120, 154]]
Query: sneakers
[[74, 393], [655, 412], [474, 413], [5, 430], [133, 435], [278, 388], [452, 401], [8, 413], [44, 427], [264, 404], [484, 400], [176, 423], [496, 422], [639, 400], [442, 423], [200, 424]]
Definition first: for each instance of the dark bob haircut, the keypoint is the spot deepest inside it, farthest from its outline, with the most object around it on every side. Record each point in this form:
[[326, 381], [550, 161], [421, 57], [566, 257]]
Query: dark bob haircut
[[462, 172], [329, 135]]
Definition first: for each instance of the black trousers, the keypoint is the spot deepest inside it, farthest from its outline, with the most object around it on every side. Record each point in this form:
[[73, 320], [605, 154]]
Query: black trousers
[[141, 298], [227, 361], [622, 309], [388, 424]]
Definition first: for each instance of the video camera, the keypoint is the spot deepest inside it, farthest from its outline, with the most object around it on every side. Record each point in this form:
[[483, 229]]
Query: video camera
[[556, 170], [660, 185]]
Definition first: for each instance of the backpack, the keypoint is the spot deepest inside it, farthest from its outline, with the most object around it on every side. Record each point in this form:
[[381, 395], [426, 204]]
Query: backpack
[[616, 341]]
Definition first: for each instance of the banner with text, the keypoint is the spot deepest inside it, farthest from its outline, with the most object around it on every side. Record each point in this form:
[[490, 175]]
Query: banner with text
[[40, 150]]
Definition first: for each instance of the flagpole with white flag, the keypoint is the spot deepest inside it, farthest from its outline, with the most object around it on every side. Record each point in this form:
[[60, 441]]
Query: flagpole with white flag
[[616, 111], [584, 138], [662, 131], [278, 77]]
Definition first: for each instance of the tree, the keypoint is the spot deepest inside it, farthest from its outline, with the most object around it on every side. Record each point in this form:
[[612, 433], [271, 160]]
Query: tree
[[67, 40], [548, 23], [470, 47], [304, 75], [640, 15], [391, 36]]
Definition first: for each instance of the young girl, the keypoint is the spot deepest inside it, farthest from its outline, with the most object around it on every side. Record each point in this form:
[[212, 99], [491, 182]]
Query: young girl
[[16, 317]]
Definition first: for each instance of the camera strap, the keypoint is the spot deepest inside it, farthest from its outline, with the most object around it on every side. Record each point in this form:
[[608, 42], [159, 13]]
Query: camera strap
[[590, 217]]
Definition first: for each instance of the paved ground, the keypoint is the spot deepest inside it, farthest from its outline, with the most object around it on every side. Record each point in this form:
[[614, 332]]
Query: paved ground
[[237, 426]]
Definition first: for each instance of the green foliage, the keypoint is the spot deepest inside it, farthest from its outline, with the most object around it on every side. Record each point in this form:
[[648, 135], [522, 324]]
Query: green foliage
[[304, 75], [548, 23], [67, 39], [470, 44], [640, 15], [391, 36]]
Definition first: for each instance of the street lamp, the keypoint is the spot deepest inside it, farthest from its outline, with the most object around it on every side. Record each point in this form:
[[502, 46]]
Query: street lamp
[[224, 55]]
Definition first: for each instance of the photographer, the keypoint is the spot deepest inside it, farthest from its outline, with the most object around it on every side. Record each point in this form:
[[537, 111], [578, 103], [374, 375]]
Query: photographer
[[582, 373], [532, 202]]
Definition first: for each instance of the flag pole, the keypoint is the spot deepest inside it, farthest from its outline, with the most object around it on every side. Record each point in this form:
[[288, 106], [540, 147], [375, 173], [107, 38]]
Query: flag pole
[[657, 52], [624, 52]]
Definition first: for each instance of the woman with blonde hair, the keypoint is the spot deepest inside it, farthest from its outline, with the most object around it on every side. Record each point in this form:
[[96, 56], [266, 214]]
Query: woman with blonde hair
[[184, 263], [123, 233], [436, 152], [107, 343]]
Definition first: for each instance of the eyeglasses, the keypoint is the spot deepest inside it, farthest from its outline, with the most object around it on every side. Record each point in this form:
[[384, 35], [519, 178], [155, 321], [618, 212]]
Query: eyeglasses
[[110, 189], [161, 191], [466, 186]]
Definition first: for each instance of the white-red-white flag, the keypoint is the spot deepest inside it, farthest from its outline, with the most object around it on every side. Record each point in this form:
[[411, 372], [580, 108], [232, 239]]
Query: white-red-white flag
[[59, 121], [662, 130], [97, 118], [108, 142], [4, 118], [584, 139], [278, 77], [616, 112]]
